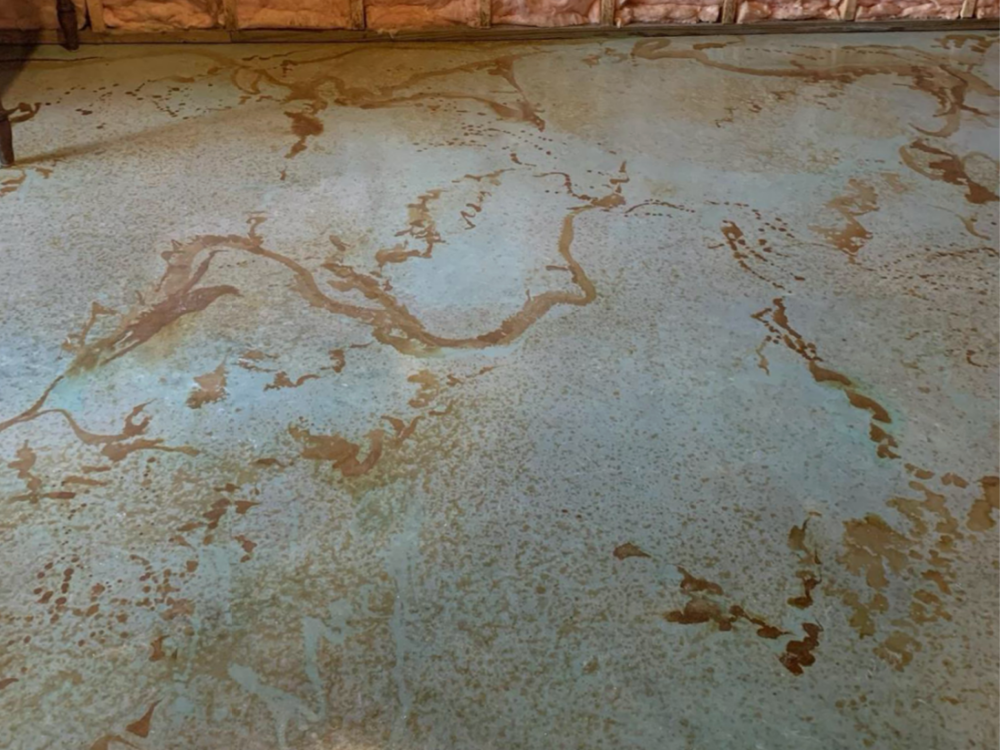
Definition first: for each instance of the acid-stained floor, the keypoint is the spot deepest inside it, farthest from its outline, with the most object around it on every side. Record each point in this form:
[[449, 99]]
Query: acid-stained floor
[[603, 394]]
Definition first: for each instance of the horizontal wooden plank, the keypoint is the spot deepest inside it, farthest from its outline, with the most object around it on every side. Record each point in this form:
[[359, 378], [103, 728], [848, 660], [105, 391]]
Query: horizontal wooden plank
[[494, 33]]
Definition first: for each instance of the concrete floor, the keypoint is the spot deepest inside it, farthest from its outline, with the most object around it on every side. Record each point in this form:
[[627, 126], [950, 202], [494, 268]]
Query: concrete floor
[[605, 394]]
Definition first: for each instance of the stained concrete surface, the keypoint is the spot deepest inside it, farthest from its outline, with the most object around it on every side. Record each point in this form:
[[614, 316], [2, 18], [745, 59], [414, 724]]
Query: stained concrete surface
[[604, 394]]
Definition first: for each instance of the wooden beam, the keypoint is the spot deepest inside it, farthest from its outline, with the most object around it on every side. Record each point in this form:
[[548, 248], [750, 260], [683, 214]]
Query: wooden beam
[[728, 11], [968, 9], [68, 23], [95, 12], [229, 15], [485, 13], [848, 10], [358, 14], [607, 12]]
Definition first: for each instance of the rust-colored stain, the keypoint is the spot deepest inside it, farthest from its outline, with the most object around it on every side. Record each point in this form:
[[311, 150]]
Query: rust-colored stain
[[141, 726], [937, 164], [281, 380], [342, 453], [691, 584], [628, 549], [871, 546], [805, 600], [852, 236], [981, 513], [211, 388], [156, 647], [799, 654], [304, 125]]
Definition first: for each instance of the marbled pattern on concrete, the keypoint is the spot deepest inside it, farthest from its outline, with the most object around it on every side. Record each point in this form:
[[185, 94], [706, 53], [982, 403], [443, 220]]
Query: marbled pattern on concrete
[[629, 394]]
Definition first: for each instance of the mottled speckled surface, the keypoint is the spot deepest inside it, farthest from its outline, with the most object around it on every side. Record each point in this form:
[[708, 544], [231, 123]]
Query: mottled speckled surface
[[631, 394]]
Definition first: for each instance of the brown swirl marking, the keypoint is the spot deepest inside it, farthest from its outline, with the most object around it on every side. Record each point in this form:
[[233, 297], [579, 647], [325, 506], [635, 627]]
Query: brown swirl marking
[[338, 359], [429, 388], [140, 727], [809, 562], [281, 380], [849, 239], [742, 252], [10, 184], [23, 465], [342, 453], [250, 360], [177, 294], [401, 428], [6, 682], [701, 608], [933, 73], [628, 549], [211, 387], [313, 82], [943, 166], [775, 320], [421, 226], [809, 582]]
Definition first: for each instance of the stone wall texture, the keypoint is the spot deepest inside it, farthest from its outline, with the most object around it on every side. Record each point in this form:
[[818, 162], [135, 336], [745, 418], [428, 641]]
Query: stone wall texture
[[395, 15]]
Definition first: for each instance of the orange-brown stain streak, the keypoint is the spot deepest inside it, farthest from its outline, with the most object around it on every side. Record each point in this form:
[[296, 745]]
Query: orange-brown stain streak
[[140, 727], [342, 453], [628, 549], [946, 167]]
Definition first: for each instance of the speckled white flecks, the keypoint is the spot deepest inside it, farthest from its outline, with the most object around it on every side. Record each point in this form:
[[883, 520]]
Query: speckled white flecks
[[620, 393]]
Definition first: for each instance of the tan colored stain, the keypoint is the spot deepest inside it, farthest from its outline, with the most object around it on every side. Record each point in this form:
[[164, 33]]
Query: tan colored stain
[[156, 647], [861, 199], [304, 125], [936, 164], [870, 545], [981, 512], [936, 76], [340, 452], [211, 387], [809, 583], [690, 584], [281, 380], [628, 549], [898, 649], [824, 375], [140, 727]]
